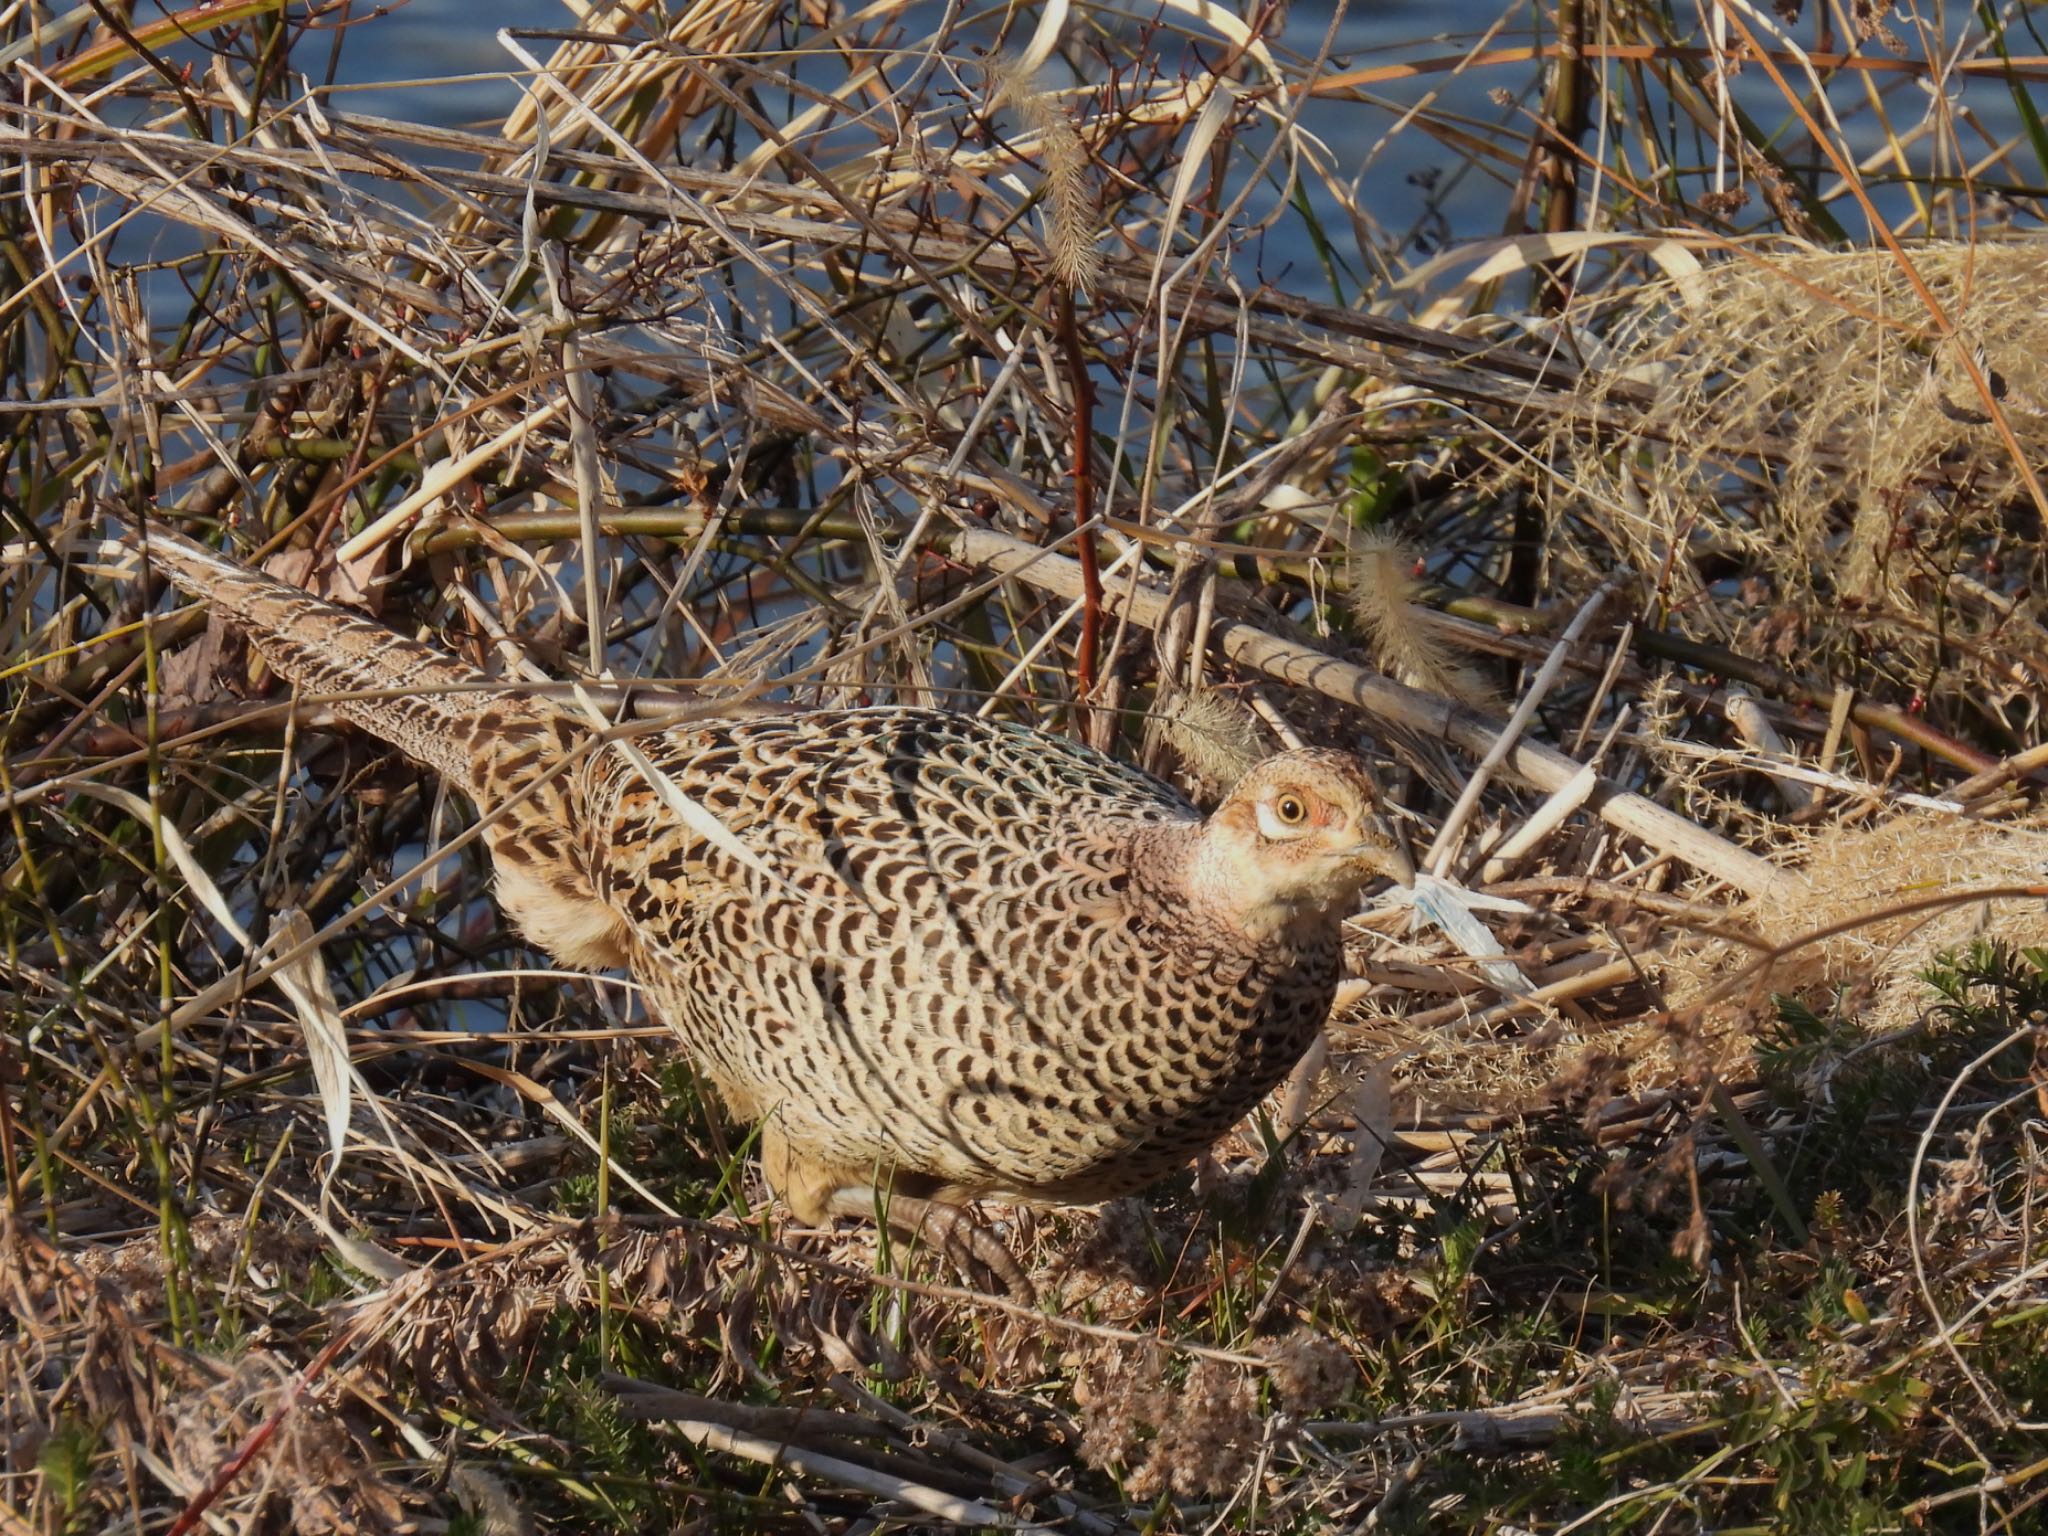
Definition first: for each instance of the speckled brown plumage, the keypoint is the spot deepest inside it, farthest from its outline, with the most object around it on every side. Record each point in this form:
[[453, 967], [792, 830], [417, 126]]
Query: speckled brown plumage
[[940, 955]]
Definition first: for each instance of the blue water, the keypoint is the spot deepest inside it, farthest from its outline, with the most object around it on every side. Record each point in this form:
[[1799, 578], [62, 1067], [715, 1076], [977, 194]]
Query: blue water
[[1417, 193], [440, 61]]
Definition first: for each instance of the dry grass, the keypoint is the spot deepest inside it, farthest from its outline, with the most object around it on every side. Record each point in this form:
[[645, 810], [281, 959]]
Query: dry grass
[[1875, 413], [803, 358]]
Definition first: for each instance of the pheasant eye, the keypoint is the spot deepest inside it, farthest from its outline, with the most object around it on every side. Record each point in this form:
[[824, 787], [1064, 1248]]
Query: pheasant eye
[[1290, 810]]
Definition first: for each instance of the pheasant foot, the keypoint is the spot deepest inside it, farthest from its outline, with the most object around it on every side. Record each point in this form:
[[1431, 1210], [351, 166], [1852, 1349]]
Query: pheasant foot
[[953, 1232]]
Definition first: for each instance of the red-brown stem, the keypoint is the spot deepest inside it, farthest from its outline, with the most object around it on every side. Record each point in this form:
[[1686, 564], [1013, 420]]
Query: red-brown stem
[[1083, 390]]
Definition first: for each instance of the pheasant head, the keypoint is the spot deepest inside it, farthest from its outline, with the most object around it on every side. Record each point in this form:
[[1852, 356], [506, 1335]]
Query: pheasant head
[[1294, 841]]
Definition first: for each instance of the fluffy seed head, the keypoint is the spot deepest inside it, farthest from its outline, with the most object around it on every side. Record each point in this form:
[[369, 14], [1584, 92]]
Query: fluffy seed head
[[1398, 631], [1215, 736], [1073, 222]]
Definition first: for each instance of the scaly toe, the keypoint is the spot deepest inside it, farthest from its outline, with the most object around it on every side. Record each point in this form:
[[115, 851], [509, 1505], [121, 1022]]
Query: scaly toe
[[977, 1253]]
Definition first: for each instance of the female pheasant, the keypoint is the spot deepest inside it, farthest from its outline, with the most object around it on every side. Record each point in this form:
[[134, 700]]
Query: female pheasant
[[935, 957]]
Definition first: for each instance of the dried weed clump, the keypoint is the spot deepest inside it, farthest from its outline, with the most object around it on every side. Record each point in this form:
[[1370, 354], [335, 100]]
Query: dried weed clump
[[1310, 1371], [223, 1250], [1199, 1438], [1874, 970], [712, 1296], [1806, 419], [316, 1468], [489, 1502]]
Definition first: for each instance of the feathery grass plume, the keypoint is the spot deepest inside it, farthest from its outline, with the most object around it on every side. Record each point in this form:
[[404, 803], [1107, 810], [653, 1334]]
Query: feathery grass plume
[[1853, 870], [1216, 738], [1073, 222], [1885, 516], [1399, 634]]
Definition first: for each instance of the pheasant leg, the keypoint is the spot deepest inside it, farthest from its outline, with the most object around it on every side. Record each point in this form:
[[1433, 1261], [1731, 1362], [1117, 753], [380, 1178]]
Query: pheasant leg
[[817, 1191]]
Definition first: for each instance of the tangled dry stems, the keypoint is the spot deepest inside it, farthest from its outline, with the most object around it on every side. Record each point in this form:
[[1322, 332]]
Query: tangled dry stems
[[818, 358]]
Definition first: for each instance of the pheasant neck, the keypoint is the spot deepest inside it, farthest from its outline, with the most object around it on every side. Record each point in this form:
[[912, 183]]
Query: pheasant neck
[[1195, 881]]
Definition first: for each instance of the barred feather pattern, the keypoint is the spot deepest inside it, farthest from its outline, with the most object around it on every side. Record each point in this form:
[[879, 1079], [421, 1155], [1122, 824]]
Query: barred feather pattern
[[332, 652], [958, 949], [968, 949], [505, 748]]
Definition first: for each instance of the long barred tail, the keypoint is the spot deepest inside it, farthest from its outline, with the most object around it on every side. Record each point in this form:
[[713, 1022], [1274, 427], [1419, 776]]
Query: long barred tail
[[509, 751], [427, 704]]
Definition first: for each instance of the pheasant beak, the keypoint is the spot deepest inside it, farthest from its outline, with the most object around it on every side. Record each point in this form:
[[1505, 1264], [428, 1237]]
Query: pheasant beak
[[1385, 851]]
